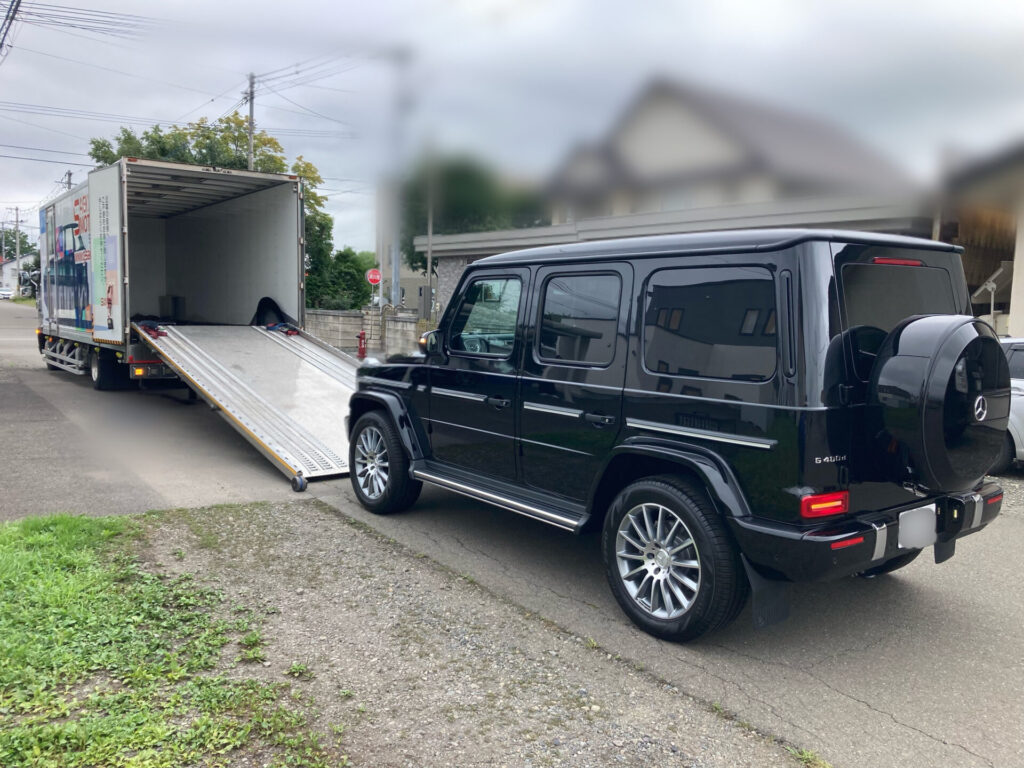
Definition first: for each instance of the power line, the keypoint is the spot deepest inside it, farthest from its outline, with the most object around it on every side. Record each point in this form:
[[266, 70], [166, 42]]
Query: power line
[[307, 109], [40, 149], [79, 114], [111, 69], [41, 160], [41, 127]]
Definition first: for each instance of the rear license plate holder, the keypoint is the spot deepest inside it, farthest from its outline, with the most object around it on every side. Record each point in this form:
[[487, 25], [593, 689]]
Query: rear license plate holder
[[917, 527]]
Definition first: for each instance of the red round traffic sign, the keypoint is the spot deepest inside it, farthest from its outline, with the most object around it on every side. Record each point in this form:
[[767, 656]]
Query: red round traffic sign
[[373, 276]]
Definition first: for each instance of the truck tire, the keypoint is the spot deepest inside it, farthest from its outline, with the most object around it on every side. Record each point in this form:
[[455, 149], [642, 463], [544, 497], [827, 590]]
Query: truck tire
[[939, 403], [378, 466], [670, 560], [102, 369]]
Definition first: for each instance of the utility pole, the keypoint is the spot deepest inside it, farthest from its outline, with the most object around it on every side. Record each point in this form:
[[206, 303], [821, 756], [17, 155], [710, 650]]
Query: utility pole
[[430, 235], [403, 102], [252, 96], [67, 180], [17, 252]]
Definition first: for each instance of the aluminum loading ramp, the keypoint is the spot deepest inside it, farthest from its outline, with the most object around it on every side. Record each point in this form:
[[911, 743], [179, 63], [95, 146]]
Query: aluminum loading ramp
[[287, 395]]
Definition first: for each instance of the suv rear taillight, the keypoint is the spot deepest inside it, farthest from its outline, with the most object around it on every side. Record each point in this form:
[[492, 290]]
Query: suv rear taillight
[[825, 504]]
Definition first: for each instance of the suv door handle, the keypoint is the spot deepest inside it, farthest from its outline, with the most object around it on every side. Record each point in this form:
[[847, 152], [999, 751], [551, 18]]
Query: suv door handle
[[599, 420], [498, 402]]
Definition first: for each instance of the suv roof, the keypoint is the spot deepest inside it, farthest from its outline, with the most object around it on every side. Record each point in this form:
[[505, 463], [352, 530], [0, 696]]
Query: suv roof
[[739, 240]]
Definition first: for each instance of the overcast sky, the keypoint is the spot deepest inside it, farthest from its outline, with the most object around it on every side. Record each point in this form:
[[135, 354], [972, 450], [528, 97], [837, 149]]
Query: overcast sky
[[516, 82]]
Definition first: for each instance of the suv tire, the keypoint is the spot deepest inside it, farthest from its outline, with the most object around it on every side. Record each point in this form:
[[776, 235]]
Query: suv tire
[[672, 565], [378, 466]]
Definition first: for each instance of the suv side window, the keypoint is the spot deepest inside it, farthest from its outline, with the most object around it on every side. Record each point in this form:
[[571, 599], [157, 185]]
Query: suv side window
[[713, 322], [579, 316], [485, 322]]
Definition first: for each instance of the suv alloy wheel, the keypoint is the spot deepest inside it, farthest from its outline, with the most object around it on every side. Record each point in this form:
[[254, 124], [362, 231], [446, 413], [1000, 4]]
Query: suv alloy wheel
[[378, 466], [670, 561]]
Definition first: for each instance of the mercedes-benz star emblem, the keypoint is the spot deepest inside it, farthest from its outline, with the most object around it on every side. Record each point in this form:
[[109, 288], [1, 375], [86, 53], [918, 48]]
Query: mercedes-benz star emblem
[[980, 408]]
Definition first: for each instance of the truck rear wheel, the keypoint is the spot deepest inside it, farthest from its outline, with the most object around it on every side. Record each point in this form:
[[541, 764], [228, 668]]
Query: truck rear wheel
[[102, 369], [670, 561], [378, 466]]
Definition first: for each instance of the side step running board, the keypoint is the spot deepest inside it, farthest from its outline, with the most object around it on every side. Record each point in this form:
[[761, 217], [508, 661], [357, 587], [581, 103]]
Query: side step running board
[[565, 522]]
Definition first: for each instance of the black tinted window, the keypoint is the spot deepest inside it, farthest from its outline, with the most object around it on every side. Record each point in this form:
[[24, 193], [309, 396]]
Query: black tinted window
[[579, 317], [1016, 359], [486, 320], [881, 295], [717, 322]]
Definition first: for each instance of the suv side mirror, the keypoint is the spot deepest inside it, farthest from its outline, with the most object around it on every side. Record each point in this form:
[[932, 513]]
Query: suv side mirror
[[430, 343]]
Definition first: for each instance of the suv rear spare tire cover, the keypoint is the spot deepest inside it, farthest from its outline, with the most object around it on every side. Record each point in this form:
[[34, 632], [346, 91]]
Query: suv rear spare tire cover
[[942, 385]]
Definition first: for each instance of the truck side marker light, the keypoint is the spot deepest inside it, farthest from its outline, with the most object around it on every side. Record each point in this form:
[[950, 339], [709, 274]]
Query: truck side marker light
[[844, 543], [140, 371], [825, 504]]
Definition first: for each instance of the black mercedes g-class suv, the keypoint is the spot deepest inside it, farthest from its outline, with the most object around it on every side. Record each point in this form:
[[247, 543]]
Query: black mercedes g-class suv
[[737, 410]]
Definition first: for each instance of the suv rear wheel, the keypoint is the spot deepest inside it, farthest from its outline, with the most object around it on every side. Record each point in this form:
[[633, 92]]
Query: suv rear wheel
[[378, 466], [669, 559]]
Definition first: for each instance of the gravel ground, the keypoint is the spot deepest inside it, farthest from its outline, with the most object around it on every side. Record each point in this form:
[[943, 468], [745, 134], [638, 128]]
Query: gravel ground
[[423, 667]]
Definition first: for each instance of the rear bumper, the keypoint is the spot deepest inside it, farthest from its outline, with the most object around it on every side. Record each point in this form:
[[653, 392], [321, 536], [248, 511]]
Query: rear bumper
[[854, 544]]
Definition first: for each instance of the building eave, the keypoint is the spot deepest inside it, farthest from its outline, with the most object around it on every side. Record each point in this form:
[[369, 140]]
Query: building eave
[[872, 214]]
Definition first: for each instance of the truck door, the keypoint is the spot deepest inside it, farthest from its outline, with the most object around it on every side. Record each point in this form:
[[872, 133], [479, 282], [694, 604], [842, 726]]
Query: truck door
[[573, 374], [472, 418]]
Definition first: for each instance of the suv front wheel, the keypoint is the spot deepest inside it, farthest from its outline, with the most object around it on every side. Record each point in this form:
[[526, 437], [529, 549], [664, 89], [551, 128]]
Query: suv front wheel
[[378, 466], [669, 559]]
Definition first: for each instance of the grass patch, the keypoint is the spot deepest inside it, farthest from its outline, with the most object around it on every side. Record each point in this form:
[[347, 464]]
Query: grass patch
[[23, 300], [102, 663], [808, 758]]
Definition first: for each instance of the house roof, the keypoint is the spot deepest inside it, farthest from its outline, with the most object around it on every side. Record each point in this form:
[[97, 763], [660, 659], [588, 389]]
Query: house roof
[[790, 146]]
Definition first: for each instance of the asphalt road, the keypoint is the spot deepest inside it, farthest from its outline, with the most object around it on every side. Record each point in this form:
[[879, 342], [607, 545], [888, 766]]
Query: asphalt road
[[923, 668]]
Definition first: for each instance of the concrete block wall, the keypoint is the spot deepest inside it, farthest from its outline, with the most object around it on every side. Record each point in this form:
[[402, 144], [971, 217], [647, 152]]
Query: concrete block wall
[[399, 334], [403, 334], [337, 328]]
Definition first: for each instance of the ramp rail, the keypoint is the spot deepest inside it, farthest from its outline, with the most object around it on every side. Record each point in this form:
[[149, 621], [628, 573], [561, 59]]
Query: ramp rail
[[287, 395]]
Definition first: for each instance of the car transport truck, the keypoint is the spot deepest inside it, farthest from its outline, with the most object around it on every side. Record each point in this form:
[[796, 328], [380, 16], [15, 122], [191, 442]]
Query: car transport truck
[[156, 270]]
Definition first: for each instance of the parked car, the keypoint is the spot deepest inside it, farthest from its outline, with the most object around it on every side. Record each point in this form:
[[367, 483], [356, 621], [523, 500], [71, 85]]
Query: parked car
[[6, 293], [735, 410], [1013, 446]]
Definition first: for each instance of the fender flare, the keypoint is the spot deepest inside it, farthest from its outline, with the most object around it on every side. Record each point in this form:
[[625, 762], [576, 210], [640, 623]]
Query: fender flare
[[714, 472], [374, 400]]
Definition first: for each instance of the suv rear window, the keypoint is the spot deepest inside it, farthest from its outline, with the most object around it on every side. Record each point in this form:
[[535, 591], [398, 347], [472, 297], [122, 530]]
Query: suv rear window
[[713, 322], [877, 297], [881, 295]]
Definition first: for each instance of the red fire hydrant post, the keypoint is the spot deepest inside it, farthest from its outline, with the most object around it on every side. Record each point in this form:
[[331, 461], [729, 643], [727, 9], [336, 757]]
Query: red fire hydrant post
[[361, 336]]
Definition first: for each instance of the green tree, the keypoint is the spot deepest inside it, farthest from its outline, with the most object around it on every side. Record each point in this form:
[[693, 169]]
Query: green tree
[[469, 197], [7, 244], [341, 284], [225, 143]]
